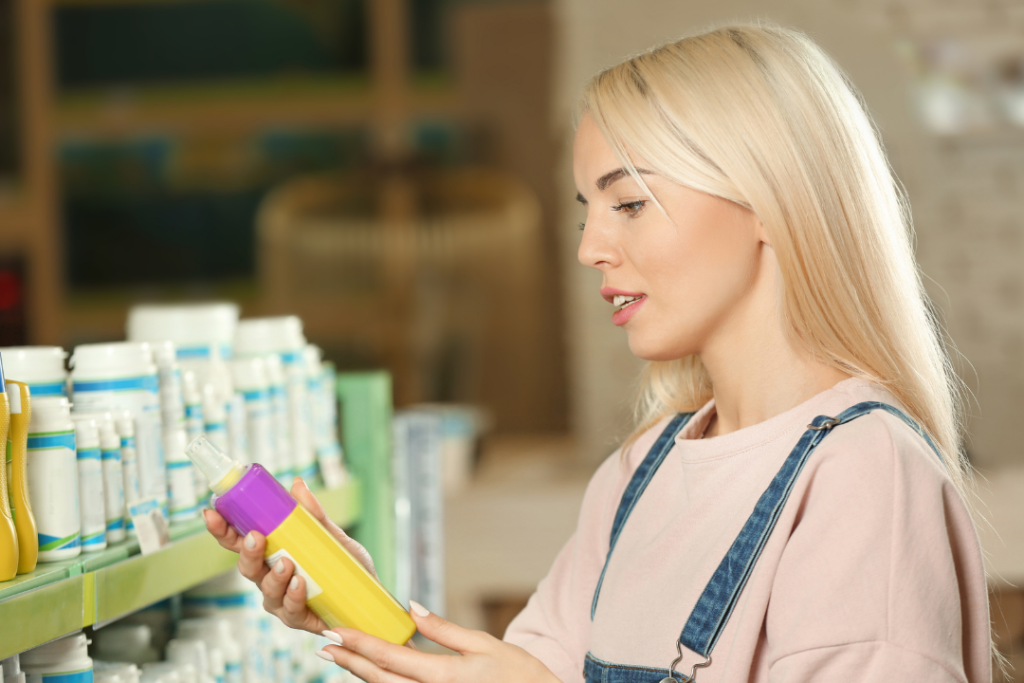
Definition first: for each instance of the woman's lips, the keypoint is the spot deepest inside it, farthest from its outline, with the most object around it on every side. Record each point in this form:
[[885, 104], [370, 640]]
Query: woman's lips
[[621, 316]]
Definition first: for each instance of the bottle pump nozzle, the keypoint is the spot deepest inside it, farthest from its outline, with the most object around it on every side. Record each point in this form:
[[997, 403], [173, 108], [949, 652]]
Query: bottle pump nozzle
[[219, 469]]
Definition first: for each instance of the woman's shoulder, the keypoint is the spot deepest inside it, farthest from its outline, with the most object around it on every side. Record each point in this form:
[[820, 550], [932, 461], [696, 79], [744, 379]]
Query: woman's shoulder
[[879, 440]]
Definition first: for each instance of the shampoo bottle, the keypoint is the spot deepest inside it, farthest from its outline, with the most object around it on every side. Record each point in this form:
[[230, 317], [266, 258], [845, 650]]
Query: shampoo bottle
[[8, 535], [17, 476], [338, 588]]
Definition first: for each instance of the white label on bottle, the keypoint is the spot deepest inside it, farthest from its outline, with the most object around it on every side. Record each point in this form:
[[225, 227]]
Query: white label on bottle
[[313, 589]]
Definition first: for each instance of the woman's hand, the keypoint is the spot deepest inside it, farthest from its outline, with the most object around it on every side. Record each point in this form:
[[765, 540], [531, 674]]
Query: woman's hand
[[284, 595], [484, 657]]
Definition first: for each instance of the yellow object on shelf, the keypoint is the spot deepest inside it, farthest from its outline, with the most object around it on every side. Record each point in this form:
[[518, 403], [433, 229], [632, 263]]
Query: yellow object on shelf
[[8, 536], [17, 479]]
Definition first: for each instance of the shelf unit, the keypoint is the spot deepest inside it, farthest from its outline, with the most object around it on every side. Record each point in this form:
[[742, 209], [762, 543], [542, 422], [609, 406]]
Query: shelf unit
[[61, 597]]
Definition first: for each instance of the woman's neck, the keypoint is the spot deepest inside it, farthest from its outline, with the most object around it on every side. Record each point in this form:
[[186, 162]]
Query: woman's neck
[[756, 371]]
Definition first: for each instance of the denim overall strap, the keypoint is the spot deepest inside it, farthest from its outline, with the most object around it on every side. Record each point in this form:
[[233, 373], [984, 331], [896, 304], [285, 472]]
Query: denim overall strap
[[637, 485], [716, 603]]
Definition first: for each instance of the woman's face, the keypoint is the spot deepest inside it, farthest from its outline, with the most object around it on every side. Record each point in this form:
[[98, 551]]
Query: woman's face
[[687, 278]]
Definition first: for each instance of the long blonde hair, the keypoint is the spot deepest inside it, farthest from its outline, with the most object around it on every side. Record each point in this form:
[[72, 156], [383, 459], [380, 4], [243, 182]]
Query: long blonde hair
[[761, 116]]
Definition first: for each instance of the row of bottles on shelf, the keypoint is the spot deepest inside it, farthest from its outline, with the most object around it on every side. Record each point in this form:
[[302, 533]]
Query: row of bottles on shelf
[[224, 637], [105, 443]]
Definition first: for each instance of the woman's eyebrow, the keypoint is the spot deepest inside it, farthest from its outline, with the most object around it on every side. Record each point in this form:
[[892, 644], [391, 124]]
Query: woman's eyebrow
[[614, 176]]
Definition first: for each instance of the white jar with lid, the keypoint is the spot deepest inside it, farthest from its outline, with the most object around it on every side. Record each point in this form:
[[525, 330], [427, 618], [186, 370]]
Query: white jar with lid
[[40, 367], [113, 473], [122, 376], [52, 473], [90, 484], [181, 478], [65, 660]]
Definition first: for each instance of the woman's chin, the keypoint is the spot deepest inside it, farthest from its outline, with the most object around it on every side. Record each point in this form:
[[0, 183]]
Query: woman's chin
[[651, 350]]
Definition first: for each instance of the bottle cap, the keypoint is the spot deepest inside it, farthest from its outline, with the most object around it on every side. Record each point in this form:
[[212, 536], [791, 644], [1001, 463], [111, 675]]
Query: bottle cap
[[219, 469]]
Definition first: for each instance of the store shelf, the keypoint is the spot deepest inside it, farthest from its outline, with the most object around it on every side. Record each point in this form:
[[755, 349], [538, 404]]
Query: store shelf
[[61, 597], [236, 107]]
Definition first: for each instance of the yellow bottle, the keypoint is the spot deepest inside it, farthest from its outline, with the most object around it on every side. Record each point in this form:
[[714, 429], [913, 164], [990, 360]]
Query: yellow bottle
[[8, 536], [338, 588], [17, 476]]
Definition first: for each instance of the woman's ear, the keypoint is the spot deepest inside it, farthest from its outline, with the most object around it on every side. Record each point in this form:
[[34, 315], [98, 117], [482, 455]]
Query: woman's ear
[[760, 232]]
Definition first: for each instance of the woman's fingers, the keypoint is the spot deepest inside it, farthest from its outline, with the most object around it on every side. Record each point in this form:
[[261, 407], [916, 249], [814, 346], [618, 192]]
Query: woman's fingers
[[371, 655], [444, 632], [250, 557], [275, 584], [302, 494], [363, 668], [294, 610], [222, 531]]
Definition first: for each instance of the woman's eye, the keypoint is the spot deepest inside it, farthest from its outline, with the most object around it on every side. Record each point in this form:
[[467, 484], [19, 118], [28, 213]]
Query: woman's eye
[[630, 207]]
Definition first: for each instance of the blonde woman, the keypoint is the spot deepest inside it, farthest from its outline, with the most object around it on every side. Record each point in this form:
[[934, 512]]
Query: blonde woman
[[790, 508]]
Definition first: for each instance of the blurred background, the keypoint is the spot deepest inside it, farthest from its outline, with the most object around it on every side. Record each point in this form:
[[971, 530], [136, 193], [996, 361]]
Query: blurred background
[[397, 173]]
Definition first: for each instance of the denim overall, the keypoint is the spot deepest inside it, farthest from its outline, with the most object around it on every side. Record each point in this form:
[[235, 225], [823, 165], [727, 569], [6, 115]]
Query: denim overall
[[715, 605]]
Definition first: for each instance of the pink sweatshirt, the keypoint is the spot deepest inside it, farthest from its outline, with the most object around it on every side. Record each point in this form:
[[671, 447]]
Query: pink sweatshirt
[[873, 572]]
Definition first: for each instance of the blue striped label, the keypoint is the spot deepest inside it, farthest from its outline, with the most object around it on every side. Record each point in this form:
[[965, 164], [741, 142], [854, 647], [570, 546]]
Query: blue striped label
[[52, 440], [112, 454], [215, 426], [308, 472], [115, 524], [70, 677], [127, 442], [47, 543], [48, 389], [193, 352], [277, 390], [178, 465], [144, 383], [234, 600], [194, 412], [88, 454], [257, 395], [291, 357], [143, 507], [98, 538]]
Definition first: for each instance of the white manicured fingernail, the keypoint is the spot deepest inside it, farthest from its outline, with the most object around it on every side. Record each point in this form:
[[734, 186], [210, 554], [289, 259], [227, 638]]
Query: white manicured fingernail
[[419, 609], [331, 635], [294, 583], [324, 655], [279, 567], [250, 541]]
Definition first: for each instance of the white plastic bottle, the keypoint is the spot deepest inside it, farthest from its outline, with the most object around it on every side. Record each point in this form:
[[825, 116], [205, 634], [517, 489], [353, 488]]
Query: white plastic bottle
[[90, 484], [61, 661], [216, 632], [126, 671], [122, 376], [250, 377], [238, 431], [53, 479], [126, 643], [283, 336], [215, 418], [193, 398], [12, 672], [113, 474], [190, 651], [40, 367], [181, 480], [278, 385], [320, 396], [124, 421], [169, 372]]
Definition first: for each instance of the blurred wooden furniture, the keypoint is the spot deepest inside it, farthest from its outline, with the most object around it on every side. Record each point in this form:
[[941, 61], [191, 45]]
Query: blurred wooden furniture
[[455, 272]]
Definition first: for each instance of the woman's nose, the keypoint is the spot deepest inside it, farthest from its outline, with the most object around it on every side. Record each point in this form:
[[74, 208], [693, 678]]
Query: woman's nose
[[596, 250]]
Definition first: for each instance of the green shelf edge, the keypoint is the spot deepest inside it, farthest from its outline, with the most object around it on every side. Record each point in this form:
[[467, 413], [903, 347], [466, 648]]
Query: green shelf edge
[[61, 597]]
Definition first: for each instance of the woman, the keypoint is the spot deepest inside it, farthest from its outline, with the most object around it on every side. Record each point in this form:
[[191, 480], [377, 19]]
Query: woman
[[791, 508]]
